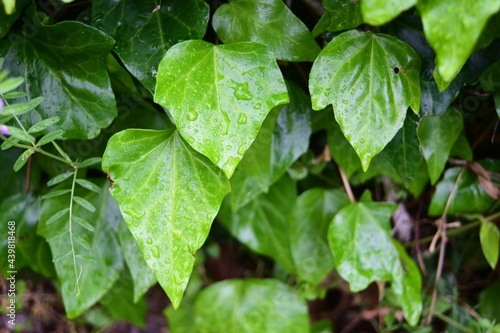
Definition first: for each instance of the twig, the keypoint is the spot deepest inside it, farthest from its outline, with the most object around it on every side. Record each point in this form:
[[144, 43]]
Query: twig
[[441, 232], [346, 184]]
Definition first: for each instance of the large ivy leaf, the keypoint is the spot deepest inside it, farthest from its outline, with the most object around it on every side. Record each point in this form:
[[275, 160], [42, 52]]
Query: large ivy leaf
[[268, 22], [452, 27], [168, 195], [145, 30], [490, 237], [370, 79], [66, 64], [140, 272], [308, 223], [339, 15], [437, 134], [282, 139], [249, 306], [468, 198], [94, 276], [262, 224], [219, 95], [378, 12], [363, 252], [31, 249]]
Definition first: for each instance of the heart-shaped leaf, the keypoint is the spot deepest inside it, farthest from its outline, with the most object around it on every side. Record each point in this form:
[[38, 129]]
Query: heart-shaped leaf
[[219, 95], [69, 59], [145, 30], [168, 195], [370, 79], [268, 22], [453, 27]]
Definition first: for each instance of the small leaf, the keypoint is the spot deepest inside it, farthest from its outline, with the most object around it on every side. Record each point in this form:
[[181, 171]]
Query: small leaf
[[43, 124], [56, 235], [56, 193], [269, 306], [89, 162], [21, 108], [443, 21], [88, 185], [219, 95], [57, 216], [14, 94], [84, 203], [269, 22], [490, 237], [21, 135], [47, 138], [83, 223], [378, 12], [82, 241], [22, 159], [8, 144], [60, 178], [60, 256], [85, 257], [10, 84], [370, 79], [437, 134]]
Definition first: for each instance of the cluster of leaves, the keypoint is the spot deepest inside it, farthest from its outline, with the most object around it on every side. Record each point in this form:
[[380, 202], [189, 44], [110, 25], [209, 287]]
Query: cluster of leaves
[[191, 131]]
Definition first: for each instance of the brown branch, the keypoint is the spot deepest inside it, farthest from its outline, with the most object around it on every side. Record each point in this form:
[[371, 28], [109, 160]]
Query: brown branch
[[346, 184]]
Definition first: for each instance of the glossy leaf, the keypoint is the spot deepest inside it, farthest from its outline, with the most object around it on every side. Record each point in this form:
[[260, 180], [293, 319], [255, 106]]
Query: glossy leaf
[[219, 96], [370, 79], [95, 277], [261, 305], [21, 108], [145, 30], [490, 242], [437, 135], [443, 21], [43, 124], [60, 178], [244, 189], [282, 139], [65, 63], [48, 138], [378, 12], [168, 195], [262, 224], [141, 273], [363, 252], [403, 150], [308, 224], [469, 196], [23, 159], [339, 15], [268, 22]]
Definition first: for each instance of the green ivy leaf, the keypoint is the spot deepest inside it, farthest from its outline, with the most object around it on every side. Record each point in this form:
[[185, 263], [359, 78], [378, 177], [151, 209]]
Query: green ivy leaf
[[469, 196], [403, 152], [443, 22], [378, 12], [363, 252], [437, 134], [308, 223], [168, 195], [262, 224], [269, 22], [339, 15], [261, 305], [282, 139], [141, 273], [370, 79], [145, 30], [219, 96], [341, 150], [490, 240], [97, 276], [68, 57]]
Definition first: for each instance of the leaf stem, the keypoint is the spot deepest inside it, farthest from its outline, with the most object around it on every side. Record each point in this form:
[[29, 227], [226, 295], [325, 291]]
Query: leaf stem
[[441, 232], [346, 184]]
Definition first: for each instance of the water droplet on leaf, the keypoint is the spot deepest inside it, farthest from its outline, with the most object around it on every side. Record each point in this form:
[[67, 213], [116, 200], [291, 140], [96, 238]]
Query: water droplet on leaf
[[242, 119]]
